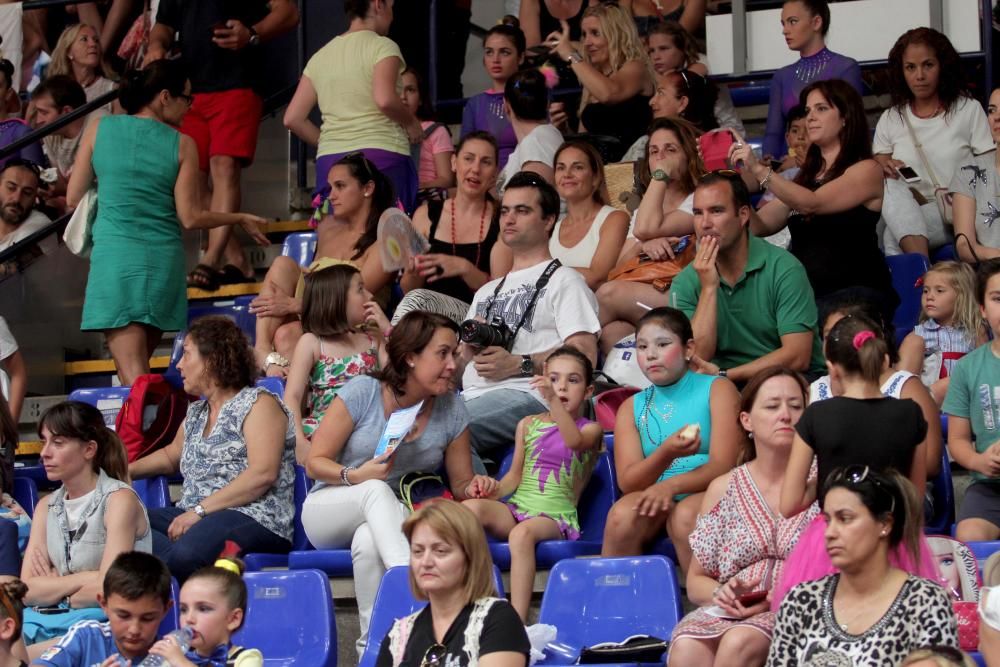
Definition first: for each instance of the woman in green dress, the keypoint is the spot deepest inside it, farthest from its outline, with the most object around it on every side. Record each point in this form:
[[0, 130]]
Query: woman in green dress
[[147, 188]]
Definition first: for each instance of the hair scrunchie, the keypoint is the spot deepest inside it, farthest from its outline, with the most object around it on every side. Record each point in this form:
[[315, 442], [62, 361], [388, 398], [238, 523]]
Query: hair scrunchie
[[861, 338]]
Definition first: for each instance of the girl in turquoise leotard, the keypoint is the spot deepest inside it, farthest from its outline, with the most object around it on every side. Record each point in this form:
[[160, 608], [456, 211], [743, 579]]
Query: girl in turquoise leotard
[[671, 440], [554, 454]]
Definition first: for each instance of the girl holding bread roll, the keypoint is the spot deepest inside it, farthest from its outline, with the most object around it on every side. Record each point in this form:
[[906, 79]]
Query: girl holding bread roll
[[671, 440]]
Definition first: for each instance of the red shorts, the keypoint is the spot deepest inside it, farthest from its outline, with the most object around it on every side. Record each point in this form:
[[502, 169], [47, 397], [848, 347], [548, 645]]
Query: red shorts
[[224, 123]]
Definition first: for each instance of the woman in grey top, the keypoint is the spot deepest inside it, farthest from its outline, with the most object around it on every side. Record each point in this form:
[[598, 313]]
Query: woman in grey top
[[975, 190], [354, 503], [80, 528], [236, 451]]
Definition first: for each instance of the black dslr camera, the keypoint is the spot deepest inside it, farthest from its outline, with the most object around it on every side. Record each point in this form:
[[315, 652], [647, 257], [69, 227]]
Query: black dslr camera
[[483, 334]]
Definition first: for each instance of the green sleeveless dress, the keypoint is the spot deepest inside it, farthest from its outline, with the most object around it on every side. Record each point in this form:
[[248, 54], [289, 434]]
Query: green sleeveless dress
[[137, 261]]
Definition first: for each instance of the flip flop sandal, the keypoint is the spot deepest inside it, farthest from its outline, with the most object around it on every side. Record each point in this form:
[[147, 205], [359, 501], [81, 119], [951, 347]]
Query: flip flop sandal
[[204, 277]]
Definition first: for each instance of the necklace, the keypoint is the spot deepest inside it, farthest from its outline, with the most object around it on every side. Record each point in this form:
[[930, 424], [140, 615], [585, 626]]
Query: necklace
[[479, 239], [866, 605], [664, 416], [936, 111]]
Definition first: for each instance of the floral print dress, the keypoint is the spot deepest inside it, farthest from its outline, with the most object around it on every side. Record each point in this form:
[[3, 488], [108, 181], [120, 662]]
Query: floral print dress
[[328, 375]]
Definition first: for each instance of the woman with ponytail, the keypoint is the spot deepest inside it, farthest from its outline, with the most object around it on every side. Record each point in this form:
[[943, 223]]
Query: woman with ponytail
[[870, 608], [146, 176], [11, 621], [81, 527], [858, 426]]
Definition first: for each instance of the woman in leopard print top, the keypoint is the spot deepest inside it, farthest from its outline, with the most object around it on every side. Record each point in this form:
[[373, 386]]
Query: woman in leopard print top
[[870, 613]]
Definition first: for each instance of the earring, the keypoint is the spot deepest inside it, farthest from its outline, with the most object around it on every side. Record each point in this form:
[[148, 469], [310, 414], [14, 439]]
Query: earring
[[750, 434], [367, 195], [412, 365], [884, 533]]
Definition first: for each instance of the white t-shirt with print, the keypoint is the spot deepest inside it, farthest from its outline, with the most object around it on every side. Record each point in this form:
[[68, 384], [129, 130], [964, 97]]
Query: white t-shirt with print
[[566, 306], [8, 346], [946, 140]]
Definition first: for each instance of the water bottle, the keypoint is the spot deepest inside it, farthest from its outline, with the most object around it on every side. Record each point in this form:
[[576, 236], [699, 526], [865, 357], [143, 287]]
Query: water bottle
[[183, 637]]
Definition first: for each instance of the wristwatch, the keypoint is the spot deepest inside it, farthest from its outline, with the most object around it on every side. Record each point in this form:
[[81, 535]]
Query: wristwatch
[[723, 373], [200, 511], [660, 175], [574, 57], [527, 366], [276, 359], [254, 37]]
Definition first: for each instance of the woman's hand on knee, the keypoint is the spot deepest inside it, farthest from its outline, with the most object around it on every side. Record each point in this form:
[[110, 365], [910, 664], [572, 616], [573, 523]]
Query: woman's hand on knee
[[181, 525]]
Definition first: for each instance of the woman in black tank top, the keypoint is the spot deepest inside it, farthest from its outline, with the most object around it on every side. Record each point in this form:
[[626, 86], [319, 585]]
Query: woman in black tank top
[[462, 232], [834, 204]]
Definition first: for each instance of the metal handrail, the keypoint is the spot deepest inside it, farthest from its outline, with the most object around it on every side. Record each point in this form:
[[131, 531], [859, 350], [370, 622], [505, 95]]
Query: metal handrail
[[61, 122], [15, 250]]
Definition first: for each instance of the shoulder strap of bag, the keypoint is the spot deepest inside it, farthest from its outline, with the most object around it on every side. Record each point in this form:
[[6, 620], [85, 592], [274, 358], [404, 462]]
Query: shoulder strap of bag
[[543, 280], [431, 128], [920, 150]]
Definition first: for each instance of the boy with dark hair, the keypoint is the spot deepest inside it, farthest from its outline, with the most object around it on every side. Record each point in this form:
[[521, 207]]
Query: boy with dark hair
[[136, 598], [973, 408]]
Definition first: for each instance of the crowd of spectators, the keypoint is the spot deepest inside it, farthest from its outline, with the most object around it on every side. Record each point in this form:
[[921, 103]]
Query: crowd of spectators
[[776, 436]]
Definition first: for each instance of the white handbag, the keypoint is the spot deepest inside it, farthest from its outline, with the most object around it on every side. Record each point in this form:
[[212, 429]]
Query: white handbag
[[78, 230]]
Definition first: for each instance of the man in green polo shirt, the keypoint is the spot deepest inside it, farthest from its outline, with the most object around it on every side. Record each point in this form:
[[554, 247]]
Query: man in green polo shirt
[[750, 302]]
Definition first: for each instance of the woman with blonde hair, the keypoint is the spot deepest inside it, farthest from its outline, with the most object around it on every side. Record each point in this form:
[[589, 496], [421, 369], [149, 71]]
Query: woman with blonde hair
[[79, 54], [937, 656], [615, 74], [464, 622]]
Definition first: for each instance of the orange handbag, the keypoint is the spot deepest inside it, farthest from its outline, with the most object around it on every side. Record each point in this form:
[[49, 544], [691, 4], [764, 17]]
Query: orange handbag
[[659, 274]]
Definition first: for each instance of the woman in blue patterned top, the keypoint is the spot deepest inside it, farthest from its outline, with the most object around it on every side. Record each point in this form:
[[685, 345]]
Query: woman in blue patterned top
[[671, 440], [236, 451]]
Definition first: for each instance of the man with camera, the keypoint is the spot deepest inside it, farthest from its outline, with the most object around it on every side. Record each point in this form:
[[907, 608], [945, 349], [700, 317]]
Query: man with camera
[[516, 321]]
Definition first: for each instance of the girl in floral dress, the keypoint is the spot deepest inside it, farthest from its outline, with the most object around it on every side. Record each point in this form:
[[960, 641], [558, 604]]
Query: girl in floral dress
[[338, 315]]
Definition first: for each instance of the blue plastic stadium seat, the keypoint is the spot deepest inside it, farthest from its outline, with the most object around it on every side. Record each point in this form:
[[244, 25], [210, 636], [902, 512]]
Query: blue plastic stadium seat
[[301, 247], [395, 600], [907, 271], [246, 320], [108, 400], [172, 620], [595, 503], [978, 657], [172, 375], [290, 618], [984, 550], [256, 562], [593, 600], [154, 492], [26, 494], [943, 492], [333, 562], [945, 253], [751, 93], [273, 384]]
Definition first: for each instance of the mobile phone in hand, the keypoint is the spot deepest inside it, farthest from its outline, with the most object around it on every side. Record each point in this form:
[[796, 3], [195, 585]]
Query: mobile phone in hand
[[908, 174], [750, 599]]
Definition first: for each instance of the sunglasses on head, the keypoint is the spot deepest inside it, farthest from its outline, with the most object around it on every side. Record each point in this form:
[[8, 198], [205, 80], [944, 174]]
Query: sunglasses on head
[[854, 476]]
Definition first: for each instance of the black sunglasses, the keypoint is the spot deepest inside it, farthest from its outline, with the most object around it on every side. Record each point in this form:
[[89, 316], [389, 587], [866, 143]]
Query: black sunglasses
[[434, 655]]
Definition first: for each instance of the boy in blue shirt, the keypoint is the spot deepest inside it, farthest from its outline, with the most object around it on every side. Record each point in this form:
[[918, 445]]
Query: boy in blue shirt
[[136, 598], [973, 409]]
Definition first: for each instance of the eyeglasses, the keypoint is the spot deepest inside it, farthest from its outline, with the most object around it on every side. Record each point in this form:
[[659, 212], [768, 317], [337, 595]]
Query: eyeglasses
[[434, 655], [855, 475], [188, 99]]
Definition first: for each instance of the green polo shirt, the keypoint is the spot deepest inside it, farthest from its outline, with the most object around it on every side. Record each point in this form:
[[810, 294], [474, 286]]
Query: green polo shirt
[[772, 298]]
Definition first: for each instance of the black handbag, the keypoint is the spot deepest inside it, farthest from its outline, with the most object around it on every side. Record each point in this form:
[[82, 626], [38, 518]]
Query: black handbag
[[637, 648]]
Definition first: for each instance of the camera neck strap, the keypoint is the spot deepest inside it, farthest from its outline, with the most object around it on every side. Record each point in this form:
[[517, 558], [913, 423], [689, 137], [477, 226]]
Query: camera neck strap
[[540, 284]]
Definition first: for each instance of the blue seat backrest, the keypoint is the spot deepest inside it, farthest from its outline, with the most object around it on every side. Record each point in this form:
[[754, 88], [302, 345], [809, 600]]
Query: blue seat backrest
[[301, 247], [172, 375], [907, 270], [302, 485], [290, 618], [172, 620], [596, 500], [26, 493], [592, 600], [154, 492], [393, 601], [984, 550], [273, 384], [943, 493], [237, 309], [109, 400]]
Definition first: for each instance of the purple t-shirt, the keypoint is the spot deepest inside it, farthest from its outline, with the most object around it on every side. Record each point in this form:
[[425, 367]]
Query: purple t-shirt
[[485, 112], [788, 83], [13, 129]]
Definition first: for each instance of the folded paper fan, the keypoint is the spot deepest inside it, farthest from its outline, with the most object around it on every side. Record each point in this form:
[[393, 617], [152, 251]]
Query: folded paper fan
[[398, 241]]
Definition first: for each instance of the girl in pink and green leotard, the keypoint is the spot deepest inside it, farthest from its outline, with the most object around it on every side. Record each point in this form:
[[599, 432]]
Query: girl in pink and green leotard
[[554, 455]]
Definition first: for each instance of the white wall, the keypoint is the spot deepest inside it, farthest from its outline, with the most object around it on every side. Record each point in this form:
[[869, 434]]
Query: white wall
[[863, 29]]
